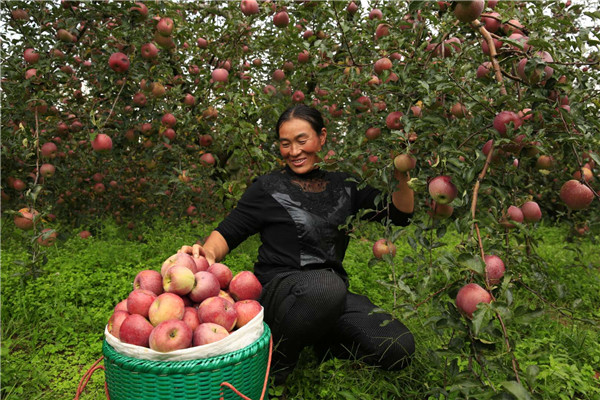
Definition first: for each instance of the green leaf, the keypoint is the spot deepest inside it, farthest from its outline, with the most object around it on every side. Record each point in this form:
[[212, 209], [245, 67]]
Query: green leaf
[[474, 263], [516, 389]]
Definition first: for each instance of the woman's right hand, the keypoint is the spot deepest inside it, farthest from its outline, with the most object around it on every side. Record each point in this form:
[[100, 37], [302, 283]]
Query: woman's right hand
[[196, 250]]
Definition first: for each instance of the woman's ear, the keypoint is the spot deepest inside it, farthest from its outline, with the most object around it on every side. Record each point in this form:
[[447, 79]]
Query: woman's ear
[[323, 136]]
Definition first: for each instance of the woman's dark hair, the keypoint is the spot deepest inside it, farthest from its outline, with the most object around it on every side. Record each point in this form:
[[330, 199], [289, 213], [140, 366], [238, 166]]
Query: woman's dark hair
[[301, 111]]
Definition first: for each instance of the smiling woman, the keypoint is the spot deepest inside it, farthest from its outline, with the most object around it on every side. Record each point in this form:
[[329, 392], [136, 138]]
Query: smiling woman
[[298, 211]]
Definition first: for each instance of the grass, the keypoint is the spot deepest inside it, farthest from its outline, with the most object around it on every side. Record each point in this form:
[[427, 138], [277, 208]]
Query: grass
[[52, 326]]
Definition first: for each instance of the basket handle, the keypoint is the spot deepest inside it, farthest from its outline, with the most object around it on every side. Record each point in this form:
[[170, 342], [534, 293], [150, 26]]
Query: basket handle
[[86, 378], [265, 384]]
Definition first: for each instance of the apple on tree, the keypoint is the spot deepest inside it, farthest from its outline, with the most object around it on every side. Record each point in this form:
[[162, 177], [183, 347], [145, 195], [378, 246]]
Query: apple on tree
[[469, 296], [494, 269], [442, 190], [576, 195], [382, 247]]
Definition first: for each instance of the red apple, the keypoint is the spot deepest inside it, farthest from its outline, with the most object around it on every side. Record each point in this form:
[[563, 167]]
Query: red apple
[[179, 280], [245, 286], [47, 170], [149, 51], [139, 301], [183, 259], [494, 269], [190, 317], [281, 19], [352, 8], [226, 296], [246, 310], [168, 120], [484, 70], [31, 56], [373, 133], [47, 237], [201, 263], [139, 11], [492, 22], [136, 330], [102, 142], [119, 62], [220, 75], [298, 96], [278, 75], [383, 64], [49, 150], [149, 279], [121, 306], [208, 332], [115, 321], [440, 211], [222, 273], [26, 218], [207, 285], [249, 7], [218, 311], [468, 11], [513, 213], [576, 195], [165, 307], [535, 74], [382, 247], [207, 159], [375, 14], [531, 211], [85, 234], [394, 120], [442, 190], [469, 296], [303, 56], [502, 119], [170, 335], [165, 26]]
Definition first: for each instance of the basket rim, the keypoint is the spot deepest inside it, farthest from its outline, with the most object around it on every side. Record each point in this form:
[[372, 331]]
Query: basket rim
[[189, 366]]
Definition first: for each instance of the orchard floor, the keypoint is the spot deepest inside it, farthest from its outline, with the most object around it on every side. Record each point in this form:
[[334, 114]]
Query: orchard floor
[[53, 324]]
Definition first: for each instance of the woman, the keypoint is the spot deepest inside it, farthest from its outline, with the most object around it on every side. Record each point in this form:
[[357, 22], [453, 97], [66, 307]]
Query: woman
[[297, 212]]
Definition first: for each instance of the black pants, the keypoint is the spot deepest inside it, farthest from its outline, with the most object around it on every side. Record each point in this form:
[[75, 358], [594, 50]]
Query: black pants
[[315, 308]]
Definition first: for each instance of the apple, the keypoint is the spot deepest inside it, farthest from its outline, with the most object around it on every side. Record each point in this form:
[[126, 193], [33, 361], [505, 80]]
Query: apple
[[85, 234], [47, 170], [226, 296], [47, 237], [394, 120], [458, 110], [246, 310], [165, 307], [168, 120], [372, 133], [139, 301], [115, 321], [149, 51], [102, 142], [170, 335], [183, 259], [201, 263], [189, 100], [119, 62], [179, 280], [278, 75], [375, 14], [303, 56], [139, 11], [484, 70], [531, 211], [222, 273], [207, 159], [503, 118], [404, 162], [207, 332], [281, 19], [513, 213], [442, 190], [492, 21], [383, 64], [245, 286], [588, 175], [220, 75], [469, 296], [249, 7], [31, 56], [49, 150], [576, 195], [190, 317], [382, 247], [298, 96], [494, 269], [26, 218], [544, 162], [440, 211], [165, 26], [468, 11], [218, 311], [136, 330], [121, 306], [206, 285], [534, 75], [352, 8], [382, 30]]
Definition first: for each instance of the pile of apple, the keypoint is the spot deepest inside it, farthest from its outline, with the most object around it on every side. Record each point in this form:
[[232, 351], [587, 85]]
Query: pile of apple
[[188, 303]]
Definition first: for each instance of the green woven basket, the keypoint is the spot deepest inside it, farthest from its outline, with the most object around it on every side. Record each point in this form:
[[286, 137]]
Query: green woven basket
[[130, 378]]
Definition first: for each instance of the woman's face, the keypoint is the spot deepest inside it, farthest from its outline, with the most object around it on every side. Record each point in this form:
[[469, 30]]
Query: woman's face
[[299, 144]]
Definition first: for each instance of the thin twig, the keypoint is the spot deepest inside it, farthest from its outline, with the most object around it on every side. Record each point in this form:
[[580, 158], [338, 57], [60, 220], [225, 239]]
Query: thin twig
[[488, 38]]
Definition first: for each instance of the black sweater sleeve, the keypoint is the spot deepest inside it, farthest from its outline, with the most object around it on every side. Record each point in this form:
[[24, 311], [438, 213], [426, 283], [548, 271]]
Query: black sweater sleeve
[[245, 219]]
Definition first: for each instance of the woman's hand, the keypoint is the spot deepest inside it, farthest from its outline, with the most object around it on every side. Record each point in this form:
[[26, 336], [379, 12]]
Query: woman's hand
[[214, 248], [195, 250]]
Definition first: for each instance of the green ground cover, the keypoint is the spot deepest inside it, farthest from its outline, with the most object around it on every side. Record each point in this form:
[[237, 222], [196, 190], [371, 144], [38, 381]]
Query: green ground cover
[[52, 325]]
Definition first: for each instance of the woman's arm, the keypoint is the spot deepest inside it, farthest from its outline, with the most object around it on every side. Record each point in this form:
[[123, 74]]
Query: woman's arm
[[403, 197], [215, 248]]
